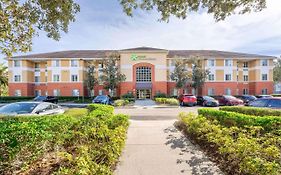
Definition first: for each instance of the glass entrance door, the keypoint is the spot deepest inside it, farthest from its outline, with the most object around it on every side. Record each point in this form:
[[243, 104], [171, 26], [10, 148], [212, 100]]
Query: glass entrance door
[[144, 93]]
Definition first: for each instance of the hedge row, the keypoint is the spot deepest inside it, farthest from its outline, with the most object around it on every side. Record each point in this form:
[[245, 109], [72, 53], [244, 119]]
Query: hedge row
[[170, 101], [229, 119], [252, 111], [239, 150], [77, 142]]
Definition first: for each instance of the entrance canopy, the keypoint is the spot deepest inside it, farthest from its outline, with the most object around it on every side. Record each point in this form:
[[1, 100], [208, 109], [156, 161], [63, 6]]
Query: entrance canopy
[[144, 85]]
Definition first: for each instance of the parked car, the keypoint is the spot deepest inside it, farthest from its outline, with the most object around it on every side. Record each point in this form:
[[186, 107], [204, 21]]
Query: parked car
[[31, 108], [264, 96], [50, 99], [103, 99], [228, 100], [246, 98], [207, 101], [187, 99], [273, 102]]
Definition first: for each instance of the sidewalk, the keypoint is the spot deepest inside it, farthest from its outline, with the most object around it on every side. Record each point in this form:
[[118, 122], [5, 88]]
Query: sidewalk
[[156, 147]]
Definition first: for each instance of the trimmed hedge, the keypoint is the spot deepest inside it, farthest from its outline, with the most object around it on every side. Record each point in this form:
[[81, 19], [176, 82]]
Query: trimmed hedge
[[239, 150], [252, 111], [170, 101], [121, 102], [7, 99], [229, 119], [78, 142], [100, 107]]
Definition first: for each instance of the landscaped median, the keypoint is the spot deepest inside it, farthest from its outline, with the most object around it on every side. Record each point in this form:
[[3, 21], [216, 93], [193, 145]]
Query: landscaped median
[[240, 143], [81, 141], [167, 101]]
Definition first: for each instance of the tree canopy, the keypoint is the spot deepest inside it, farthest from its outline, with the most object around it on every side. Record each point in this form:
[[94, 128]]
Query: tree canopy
[[181, 8], [21, 21], [277, 71]]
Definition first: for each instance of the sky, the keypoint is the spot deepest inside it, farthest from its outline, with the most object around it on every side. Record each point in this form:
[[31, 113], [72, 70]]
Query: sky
[[103, 25]]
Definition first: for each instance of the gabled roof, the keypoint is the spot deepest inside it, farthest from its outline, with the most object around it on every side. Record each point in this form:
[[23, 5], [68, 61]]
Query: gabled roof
[[213, 53], [144, 49]]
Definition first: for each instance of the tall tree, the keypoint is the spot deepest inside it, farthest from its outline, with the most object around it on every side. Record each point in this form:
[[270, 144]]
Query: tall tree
[[111, 75], [180, 74], [199, 73], [277, 71], [91, 80], [22, 19], [181, 8], [3, 78]]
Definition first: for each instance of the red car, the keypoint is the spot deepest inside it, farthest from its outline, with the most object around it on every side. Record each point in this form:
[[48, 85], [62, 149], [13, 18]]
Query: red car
[[187, 99], [228, 100]]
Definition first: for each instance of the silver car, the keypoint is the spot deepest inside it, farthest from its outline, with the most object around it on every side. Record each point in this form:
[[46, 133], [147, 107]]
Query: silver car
[[31, 108]]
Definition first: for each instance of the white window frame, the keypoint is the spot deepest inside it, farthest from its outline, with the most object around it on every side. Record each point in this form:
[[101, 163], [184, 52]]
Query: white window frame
[[17, 78], [264, 91], [227, 91], [228, 62], [211, 77], [35, 77], [211, 63], [56, 63], [56, 92], [264, 61], [75, 92], [17, 63], [245, 64], [262, 77], [245, 91], [17, 92], [225, 75], [56, 78], [211, 91], [245, 77], [74, 79], [74, 63]]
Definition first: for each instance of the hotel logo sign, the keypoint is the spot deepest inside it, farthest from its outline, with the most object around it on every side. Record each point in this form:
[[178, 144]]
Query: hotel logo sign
[[135, 57]]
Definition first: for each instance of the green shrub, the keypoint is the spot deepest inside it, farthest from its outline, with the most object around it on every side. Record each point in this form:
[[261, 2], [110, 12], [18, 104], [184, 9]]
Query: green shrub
[[241, 150], [105, 108], [8, 99], [170, 101], [129, 96], [121, 102], [252, 111], [160, 95], [276, 95], [241, 120], [82, 142]]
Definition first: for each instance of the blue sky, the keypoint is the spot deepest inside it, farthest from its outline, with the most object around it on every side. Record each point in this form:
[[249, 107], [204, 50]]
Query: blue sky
[[103, 25]]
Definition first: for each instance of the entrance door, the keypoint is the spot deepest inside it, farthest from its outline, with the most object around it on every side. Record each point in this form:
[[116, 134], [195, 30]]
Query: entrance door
[[144, 93]]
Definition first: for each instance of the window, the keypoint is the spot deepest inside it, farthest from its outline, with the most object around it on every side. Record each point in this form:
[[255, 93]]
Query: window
[[211, 91], [56, 78], [74, 78], [264, 77], [75, 92], [264, 91], [37, 93], [100, 92], [264, 62], [36, 65], [16, 63], [228, 91], [17, 93], [245, 91], [185, 91], [37, 78], [175, 92], [17, 78], [227, 77], [211, 77], [246, 78], [74, 63], [245, 65], [56, 63], [211, 63], [143, 74], [56, 92], [228, 62]]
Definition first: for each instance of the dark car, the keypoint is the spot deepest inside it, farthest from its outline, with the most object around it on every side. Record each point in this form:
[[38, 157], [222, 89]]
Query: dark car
[[187, 99], [103, 99], [50, 99], [274, 102], [207, 101], [264, 96], [246, 98], [228, 100]]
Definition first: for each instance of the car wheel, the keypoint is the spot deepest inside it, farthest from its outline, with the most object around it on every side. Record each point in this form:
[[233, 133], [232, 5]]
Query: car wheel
[[181, 103]]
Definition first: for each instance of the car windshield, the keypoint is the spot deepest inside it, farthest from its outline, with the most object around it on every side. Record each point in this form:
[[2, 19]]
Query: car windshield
[[18, 108], [229, 97], [40, 98], [208, 98], [101, 97], [250, 97]]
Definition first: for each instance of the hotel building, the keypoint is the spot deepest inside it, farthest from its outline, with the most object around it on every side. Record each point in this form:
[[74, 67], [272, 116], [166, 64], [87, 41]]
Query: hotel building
[[147, 72]]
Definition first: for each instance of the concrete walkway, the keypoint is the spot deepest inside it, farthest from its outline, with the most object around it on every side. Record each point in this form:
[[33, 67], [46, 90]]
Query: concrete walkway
[[157, 148], [144, 103]]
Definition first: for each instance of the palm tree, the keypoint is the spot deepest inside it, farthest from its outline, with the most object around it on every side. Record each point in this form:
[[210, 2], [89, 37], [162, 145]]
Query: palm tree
[[3, 77]]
